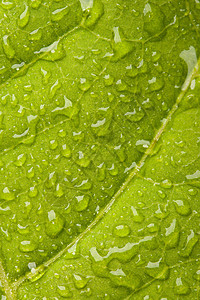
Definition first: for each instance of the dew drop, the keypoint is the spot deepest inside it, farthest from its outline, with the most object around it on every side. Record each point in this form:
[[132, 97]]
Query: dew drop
[[196, 275], [84, 85], [33, 191], [59, 13], [95, 12], [55, 87], [24, 18], [191, 241], [64, 291], [121, 46], [27, 246], [79, 281], [154, 19], [53, 144], [59, 191], [20, 160], [35, 35], [82, 202], [121, 230], [137, 216], [158, 270], [181, 287], [7, 194], [66, 151], [182, 207], [8, 49], [51, 181], [55, 224]]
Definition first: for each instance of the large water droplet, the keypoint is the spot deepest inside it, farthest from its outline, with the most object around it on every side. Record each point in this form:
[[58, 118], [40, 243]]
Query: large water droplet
[[59, 13], [79, 281], [82, 202], [181, 287], [64, 291], [8, 49], [55, 224], [24, 18], [28, 246], [154, 19], [182, 207]]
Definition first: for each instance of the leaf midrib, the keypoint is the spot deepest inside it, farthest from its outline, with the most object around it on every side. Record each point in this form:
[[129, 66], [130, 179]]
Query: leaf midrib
[[14, 286]]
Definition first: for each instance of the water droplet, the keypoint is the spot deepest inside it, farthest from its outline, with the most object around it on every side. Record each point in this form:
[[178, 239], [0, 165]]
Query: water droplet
[[121, 46], [64, 291], [51, 181], [8, 49], [83, 161], [172, 235], [20, 160], [66, 151], [137, 216], [152, 227], [33, 191], [95, 12], [59, 13], [52, 52], [35, 3], [55, 224], [108, 80], [135, 115], [154, 19], [53, 144], [27, 246], [82, 202], [79, 281], [121, 230], [46, 75], [196, 275], [182, 207], [120, 153], [101, 172], [84, 84], [59, 191], [55, 87], [167, 184], [113, 170], [192, 192], [7, 4], [157, 270], [191, 241], [181, 287], [161, 194], [156, 84], [35, 35], [6, 194], [24, 18]]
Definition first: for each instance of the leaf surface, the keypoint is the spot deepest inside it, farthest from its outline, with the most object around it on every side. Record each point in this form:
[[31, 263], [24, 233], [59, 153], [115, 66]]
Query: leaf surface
[[99, 131]]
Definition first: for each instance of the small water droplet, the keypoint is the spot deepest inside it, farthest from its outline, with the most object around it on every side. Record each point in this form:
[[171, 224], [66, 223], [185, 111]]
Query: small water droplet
[[121, 230]]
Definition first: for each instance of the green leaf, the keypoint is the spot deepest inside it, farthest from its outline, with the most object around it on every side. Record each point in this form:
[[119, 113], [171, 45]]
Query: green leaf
[[99, 149]]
